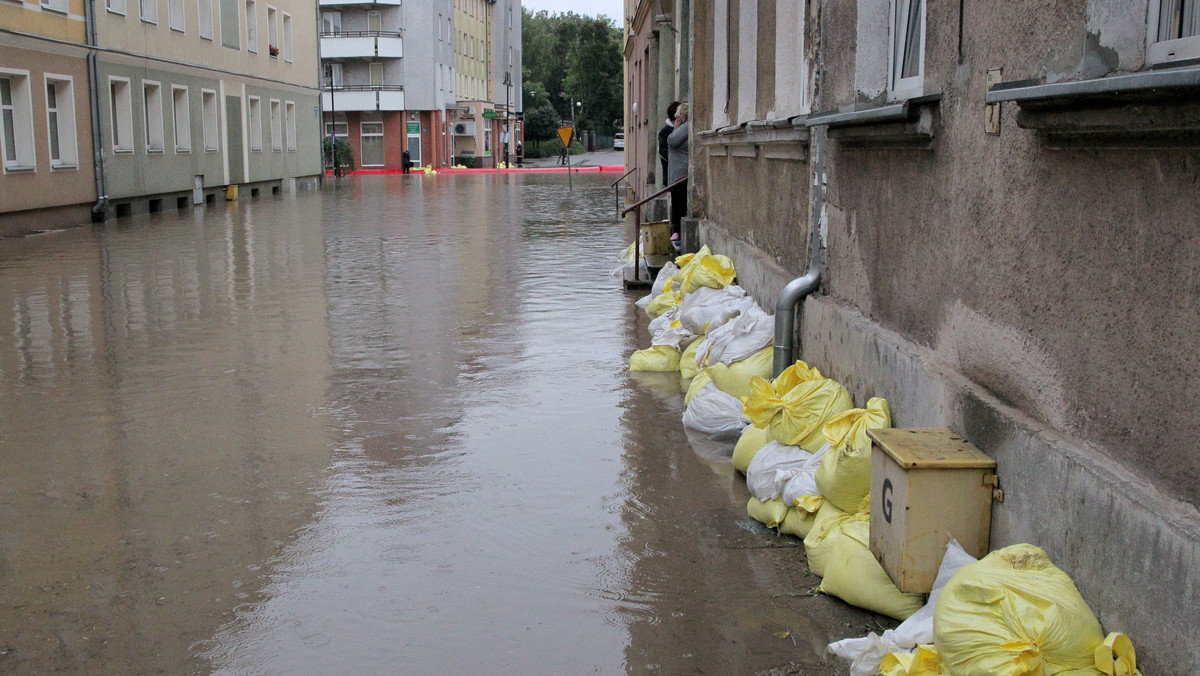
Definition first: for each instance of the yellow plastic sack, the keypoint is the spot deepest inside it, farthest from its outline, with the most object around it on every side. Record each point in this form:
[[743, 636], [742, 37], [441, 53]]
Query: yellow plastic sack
[[794, 375], [703, 269], [924, 662], [796, 417], [844, 476], [798, 522], [657, 358], [735, 378], [1013, 613], [687, 360], [698, 382], [1116, 657], [663, 301], [816, 544], [854, 575], [810, 503], [748, 445], [770, 513]]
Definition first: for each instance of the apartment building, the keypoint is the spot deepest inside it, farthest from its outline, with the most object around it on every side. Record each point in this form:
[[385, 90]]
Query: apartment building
[[48, 179], [196, 95], [999, 203], [488, 72]]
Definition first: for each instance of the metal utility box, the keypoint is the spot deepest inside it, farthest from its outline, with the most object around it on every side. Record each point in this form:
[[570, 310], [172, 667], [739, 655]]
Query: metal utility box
[[656, 243], [926, 485]]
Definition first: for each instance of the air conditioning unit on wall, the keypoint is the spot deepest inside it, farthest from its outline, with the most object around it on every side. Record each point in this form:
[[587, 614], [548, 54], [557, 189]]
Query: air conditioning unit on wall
[[464, 128]]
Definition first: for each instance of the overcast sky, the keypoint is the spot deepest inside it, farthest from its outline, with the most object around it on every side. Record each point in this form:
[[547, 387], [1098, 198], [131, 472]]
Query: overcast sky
[[610, 8]]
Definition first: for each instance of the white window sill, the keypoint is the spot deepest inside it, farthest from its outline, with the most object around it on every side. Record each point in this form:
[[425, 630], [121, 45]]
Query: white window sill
[[64, 166], [154, 151], [183, 151], [19, 169], [212, 150], [123, 151], [895, 125]]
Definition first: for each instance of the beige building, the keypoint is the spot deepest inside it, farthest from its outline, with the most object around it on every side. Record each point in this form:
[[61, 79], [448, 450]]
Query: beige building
[[48, 177], [995, 212], [488, 82]]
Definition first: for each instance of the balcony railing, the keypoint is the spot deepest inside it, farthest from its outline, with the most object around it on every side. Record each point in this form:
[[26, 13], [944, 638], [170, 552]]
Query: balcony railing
[[363, 88], [361, 34]]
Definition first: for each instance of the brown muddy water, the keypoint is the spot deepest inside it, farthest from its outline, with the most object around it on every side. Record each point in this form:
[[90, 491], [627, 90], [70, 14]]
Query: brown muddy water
[[381, 428]]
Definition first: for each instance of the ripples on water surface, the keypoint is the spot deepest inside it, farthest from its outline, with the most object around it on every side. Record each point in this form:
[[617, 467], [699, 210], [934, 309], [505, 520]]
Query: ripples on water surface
[[382, 428]]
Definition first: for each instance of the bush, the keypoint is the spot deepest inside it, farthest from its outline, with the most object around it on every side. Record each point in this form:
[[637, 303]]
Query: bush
[[345, 154], [550, 148], [468, 161]]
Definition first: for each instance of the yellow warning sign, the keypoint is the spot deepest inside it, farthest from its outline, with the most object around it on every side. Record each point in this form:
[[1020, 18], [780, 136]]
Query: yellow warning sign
[[565, 134]]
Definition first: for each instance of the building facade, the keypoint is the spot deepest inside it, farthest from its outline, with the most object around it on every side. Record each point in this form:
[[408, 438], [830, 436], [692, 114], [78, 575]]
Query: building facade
[[48, 178], [1000, 204], [196, 96], [488, 62]]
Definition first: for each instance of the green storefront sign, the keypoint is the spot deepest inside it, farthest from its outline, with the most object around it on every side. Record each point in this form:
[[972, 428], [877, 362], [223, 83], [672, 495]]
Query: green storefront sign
[[414, 127], [489, 114]]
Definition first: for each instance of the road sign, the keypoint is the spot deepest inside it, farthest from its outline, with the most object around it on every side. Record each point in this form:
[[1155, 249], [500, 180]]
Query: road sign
[[565, 134]]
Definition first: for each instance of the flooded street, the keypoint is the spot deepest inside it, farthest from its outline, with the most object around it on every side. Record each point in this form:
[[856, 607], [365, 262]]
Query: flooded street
[[383, 428]]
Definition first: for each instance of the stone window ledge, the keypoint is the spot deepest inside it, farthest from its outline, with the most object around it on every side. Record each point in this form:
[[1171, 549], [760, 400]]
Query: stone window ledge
[[904, 124], [1148, 109], [783, 139]]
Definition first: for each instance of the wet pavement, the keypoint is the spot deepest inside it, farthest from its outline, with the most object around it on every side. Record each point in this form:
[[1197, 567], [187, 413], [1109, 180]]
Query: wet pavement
[[381, 428]]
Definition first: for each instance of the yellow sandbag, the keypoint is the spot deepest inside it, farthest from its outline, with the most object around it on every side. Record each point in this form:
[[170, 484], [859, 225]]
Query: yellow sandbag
[[1116, 657], [657, 358], [703, 268], [844, 475], [663, 301], [687, 360], [854, 575], [924, 662], [796, 417], [698, 382], [748, 445], [1012, 613], [816, 543], [735, 378], [794, 375], [798, 522], [770, 513]]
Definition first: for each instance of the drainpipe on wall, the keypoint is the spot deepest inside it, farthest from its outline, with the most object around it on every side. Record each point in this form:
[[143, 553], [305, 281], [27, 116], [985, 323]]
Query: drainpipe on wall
[[798, 289], [98, 209]]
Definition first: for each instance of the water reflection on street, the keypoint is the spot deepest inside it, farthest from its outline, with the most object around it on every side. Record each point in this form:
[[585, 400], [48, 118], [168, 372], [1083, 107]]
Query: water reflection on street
[[384, 427]]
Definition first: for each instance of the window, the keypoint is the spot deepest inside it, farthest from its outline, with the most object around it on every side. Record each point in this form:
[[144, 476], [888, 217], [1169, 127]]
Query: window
[[791, 65], [183, 119], [229, 23], [120, 101], [340, 128], [331, 22], [375, 70], [152, 98], [16, 116], [439, 23], [115, 6], [374, 21], [276, 126], [175, 15], [60, 121], [720, 83], [251, 26], [272, 32], [334, 74], [149, 9], [510, 55], [55, 5], [371, 149], [907, 54], [208, 102], [204, 18], [289, 124], [255, 123], [287, 37], [1174, 30]]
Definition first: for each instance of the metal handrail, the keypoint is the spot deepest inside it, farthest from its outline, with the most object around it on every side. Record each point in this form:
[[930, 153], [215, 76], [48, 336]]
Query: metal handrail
[[637, 224], [364, 88], [617, 191], [660, 193], [623, 176], [361, 34]]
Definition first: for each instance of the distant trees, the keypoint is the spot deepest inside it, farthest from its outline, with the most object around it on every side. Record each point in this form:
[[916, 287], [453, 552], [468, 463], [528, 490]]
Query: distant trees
[[571, 58]]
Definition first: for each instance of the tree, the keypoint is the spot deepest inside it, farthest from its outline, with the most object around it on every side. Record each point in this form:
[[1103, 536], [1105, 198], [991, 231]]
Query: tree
[[574, 58], [541, 119]]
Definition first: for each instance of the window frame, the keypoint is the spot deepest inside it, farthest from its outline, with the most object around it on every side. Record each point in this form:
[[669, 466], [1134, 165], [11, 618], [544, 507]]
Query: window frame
[[148, 11], [120, 109], [186, 118], [286, 36], [64, 121], [251, 21], [1174, 49], [21, 104], [59, 6], [152, 108], [289, 125], [210, 120], [363, 135], [177, 16], [276, 126], [273, 32], [900, 87], [254, 123], [201, 15], [115, 6], [334, 20]]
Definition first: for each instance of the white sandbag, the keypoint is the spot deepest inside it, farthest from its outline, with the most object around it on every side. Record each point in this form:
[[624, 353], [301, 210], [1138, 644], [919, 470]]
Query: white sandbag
[[865, 654], [804, 482], [715, 413], [707, 307], [673, 334], [738, 338], [644, 301], [625, 269], [668, 270], [772, 467]]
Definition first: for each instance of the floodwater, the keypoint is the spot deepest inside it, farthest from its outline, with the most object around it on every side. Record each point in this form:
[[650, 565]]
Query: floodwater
[[380, 428]]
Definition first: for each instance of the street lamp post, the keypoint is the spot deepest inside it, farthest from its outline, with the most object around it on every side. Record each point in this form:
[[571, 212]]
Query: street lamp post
[[337, 169], [507, 113]]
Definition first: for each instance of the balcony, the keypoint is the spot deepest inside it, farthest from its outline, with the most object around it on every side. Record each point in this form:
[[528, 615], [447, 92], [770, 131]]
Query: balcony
[[362, 45], [344, 98], [361, 3]]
